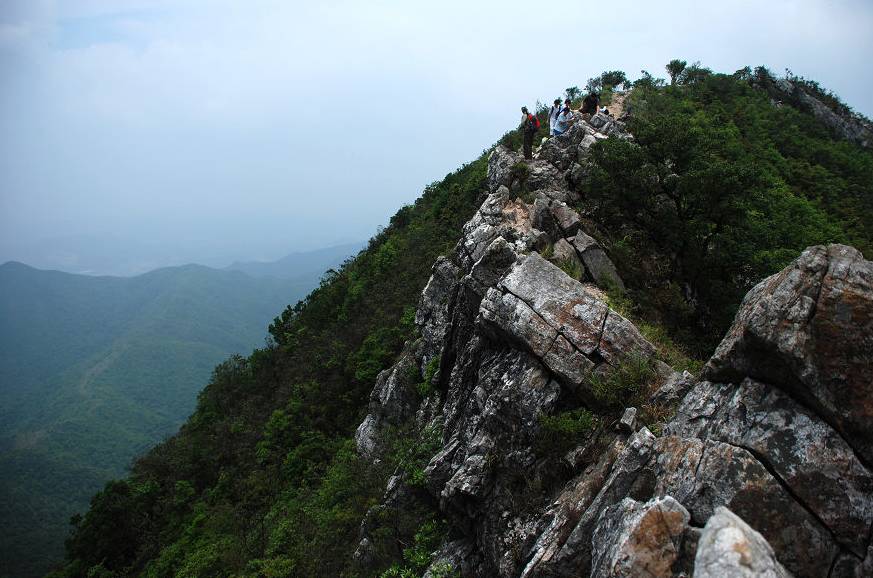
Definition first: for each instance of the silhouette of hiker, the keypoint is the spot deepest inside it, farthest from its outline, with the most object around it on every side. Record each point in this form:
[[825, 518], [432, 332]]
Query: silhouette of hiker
[[529, 126]]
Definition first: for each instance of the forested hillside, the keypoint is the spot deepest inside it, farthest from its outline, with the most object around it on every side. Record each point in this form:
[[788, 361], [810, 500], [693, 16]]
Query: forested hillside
[[96, 370], [720, 186]]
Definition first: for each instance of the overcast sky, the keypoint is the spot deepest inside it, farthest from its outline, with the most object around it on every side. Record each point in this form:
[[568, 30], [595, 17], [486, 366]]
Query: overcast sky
[[142, 133]]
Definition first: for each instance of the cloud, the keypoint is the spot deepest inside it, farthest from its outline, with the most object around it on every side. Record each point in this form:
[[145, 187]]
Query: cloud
[[278, 126]]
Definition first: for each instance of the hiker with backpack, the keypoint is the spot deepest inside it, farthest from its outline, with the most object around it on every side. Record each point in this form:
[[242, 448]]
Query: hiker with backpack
[[530, 124], [554, 111]]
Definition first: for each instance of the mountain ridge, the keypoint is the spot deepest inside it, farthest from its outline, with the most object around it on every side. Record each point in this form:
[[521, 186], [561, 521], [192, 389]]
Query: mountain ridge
[[510, 401]]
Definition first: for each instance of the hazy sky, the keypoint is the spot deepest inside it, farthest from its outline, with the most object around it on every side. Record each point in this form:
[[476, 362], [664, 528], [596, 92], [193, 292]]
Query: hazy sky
[[142, 133]]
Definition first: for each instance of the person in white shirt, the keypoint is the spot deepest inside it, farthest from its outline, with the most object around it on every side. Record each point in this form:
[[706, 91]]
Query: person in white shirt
[[564, 119], [554, 111]]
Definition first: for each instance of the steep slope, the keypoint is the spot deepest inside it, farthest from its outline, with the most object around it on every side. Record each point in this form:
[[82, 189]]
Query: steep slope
[[490, 435], [526, 354], [95, 370]]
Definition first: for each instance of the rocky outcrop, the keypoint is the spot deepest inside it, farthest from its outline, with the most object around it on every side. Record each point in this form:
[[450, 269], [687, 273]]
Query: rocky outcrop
[[729, 548], [762, 468], [842, 123], [809, 330]]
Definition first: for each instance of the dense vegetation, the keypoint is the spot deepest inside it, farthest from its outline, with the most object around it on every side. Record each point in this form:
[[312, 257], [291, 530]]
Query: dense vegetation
[[263, 480], [719, 189], [96, 370]]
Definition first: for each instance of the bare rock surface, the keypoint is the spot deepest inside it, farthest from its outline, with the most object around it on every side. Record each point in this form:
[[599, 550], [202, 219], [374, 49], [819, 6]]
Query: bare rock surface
[[730, 548], [760, 469]]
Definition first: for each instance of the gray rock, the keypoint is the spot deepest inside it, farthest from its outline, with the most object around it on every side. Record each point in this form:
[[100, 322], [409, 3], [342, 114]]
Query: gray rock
[[538, 306], [393, 401], [566, 218], [806, 454], [633, 539], [809, 330], [673, 389], [563, 251], [599, 266], [704, 475], [432, 315], [730, 548], [500, 163], [628, 422], [544, 176]]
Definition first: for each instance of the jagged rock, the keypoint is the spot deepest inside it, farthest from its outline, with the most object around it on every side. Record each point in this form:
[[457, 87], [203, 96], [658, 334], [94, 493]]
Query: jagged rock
[[633, 539], [496, 259], [849, 566], [806, 454], [432, 316], [730, 548], [673, 389], [563, 251], [809, 330], [392, 402], [573, 556], [544, 176], [500, 163], [569, 328], [541, 215], [566, 218], [628, 422], [705, 474], [855, 129], [518, 339], [598, 265], [457, 557]]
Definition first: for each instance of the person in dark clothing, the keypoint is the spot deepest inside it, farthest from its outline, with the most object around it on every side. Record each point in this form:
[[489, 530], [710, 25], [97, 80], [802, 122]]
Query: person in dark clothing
[[589, 105], [529, 126]]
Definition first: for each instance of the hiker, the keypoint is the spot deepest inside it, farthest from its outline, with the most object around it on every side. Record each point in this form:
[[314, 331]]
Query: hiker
[[589, 105], [554, 111], [530, 124], [564, 119]]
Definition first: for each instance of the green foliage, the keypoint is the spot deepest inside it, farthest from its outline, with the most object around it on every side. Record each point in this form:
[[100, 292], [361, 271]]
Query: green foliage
[[426, 387], [571, 267], [564, 431], [411, 453], [718, 190], [128, 356], [612, 78], [419, 555], [674, 68], [263, 479], [625, 384]]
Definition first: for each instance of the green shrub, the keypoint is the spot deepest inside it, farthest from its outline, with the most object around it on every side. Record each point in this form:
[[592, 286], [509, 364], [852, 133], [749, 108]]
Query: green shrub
[[426, 387], [411, 454], [625, 384], [561, 432], [571, 267]]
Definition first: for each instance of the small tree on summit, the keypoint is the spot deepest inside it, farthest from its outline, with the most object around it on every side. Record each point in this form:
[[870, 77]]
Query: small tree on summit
[[674, 68], [573, 93], [612, 78]]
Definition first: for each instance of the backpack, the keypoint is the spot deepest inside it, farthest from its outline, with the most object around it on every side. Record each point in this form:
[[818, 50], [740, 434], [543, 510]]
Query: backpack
[[533, 122]]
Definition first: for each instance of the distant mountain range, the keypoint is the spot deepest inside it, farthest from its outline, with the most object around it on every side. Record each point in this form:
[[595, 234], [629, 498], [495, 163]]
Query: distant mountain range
[[302, 264], [95, 370]]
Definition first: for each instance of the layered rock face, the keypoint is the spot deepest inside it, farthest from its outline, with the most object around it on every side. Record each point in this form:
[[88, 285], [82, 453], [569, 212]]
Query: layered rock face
[[764, 468]]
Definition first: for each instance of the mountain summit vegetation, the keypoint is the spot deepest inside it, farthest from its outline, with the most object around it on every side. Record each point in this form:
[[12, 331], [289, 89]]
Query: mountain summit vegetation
[[724, 182]]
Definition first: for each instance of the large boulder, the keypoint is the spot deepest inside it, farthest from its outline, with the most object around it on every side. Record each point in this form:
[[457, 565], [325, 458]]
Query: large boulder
[[633, 539], [809, 330], [567, 326], [730, 548], [803, 452], [597, 263]]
